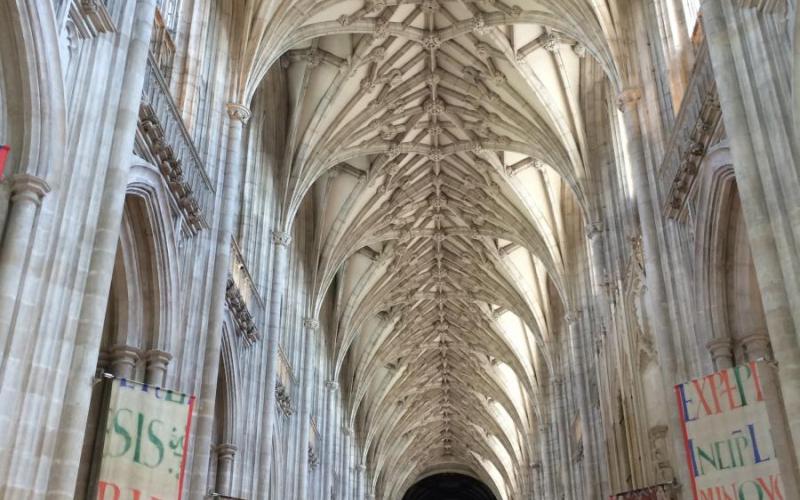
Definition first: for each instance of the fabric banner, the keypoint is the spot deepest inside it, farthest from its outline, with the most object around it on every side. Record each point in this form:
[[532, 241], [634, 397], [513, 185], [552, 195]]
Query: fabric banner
[[735, 435], [144, 452]]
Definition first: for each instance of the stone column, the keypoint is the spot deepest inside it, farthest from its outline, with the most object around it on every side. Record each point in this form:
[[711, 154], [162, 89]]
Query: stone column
[[348, 461], [560, 416], [225, 455], [329, 453], [206, 399], [156, 367], [311, 325], [27, 192], [590, 478], [721, 353], [756, 347], [782, 327], [122, 361], [660, 321], [64, 471], [281, 241], [544, 454], [361, 471]]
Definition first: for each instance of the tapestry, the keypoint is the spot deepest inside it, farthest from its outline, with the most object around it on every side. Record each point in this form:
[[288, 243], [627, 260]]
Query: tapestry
[[734, 435], [144, 451]]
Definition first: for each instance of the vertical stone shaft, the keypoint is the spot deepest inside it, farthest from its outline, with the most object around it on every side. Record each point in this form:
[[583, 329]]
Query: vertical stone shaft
[[361, 471], [782, 331], [311, 326], [281, 241], [329, 456], [656, 289], [204, 412], [64, 471], [27, 192], [590, 479]]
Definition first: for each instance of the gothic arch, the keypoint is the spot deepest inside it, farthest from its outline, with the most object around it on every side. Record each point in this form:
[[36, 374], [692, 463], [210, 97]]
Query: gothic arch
[[32, 89], [726, 282]]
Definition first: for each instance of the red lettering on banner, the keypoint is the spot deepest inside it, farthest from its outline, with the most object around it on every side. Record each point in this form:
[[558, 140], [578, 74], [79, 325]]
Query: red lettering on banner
[[101, 490], [701, 395], [773, 489], [756, 381]]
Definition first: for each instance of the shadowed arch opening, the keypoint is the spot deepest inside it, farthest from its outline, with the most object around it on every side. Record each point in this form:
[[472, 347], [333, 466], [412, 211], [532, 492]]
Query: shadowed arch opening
[[449, 486]]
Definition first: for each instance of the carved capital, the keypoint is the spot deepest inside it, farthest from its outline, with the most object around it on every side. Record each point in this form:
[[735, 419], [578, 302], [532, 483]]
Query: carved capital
[[594, 229], [238, 112], [282, 238], [756, 346], [28, 187], [628, 99], [332, 385], [310, 324]]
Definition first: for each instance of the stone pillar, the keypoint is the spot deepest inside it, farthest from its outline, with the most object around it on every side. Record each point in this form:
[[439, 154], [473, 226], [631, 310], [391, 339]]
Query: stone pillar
[[756, 347], [329, 453], [156, 367], [590, 479], [311, 325], [27, 192], [766, 258], [281, 241], [206, 399], [122, 361], [361, 471], [544, 457], [225, 454], [348, 461], [721, 353], [64, 471], [560, 417], [660, 321]]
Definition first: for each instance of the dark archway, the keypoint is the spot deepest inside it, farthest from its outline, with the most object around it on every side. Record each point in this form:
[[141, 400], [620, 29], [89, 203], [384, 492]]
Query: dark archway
[[449, 487]]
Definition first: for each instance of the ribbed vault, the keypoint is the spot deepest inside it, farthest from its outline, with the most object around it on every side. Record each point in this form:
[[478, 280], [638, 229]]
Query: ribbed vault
[[443, 142]]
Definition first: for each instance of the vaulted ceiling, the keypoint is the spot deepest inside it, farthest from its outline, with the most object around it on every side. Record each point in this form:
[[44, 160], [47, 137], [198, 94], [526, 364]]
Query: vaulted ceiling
[[445, 142]]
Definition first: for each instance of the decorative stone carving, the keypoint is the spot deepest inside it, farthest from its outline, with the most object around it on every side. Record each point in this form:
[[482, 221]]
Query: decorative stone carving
[[432, 42], [628, 99], [171, 167], [479, 24], [242, 318], [310, 324], [313, 459], [552, 40], [281, 238], [283, 399], [238, 112]]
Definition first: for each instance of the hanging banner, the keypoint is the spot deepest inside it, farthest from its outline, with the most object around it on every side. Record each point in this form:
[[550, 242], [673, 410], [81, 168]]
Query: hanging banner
[[735, 435], [4, 150], [144, 452]]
